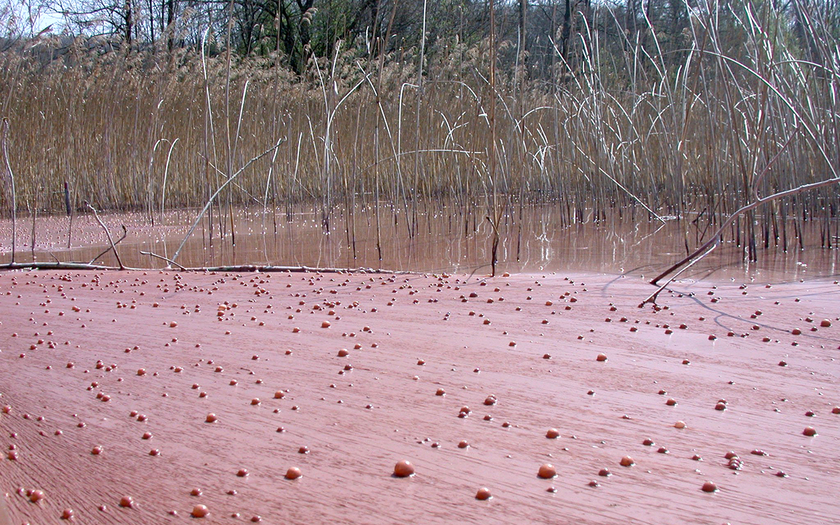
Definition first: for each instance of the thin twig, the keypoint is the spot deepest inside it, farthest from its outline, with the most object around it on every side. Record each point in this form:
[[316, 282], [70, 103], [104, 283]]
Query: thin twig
[[125, 232], [170, 261], [108, 233], [219, 190]]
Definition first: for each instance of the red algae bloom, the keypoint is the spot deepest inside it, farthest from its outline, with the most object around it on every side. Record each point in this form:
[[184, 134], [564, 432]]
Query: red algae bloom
[[403, 469]]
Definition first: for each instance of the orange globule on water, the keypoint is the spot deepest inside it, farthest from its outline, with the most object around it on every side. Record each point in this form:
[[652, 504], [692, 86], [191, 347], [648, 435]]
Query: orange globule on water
[[200, 511], [552, 433], [547, 471], [627, 461], [483, 494], [709, 487], [293, 473], [36, 495], [403, 469]]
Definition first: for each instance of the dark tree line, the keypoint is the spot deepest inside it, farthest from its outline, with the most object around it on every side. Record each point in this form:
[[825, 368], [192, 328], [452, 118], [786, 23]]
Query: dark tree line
[[546, 38]]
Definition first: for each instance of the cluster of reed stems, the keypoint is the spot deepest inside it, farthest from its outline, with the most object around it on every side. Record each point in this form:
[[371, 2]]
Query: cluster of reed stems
[[627, 130]]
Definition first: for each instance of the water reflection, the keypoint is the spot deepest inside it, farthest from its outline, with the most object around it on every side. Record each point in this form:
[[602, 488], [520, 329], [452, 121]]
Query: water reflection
[[534, 239]]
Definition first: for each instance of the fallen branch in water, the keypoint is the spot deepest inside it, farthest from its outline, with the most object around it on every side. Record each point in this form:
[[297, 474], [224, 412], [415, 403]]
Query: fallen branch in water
[[245, 268], [267, 269], [715, 240], [58, 265]]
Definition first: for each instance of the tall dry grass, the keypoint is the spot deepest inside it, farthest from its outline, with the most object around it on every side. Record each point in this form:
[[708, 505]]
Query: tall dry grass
[[629, 131]]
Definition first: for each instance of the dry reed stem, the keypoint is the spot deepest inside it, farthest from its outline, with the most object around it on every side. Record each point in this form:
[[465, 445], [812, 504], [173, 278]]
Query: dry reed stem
[[108, 234], [12, 180]]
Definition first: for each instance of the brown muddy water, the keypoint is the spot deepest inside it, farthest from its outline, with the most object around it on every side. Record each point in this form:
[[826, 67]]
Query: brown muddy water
[[534, 239]]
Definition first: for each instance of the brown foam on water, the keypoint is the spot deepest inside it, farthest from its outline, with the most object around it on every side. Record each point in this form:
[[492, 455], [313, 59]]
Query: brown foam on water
[[358, 421]]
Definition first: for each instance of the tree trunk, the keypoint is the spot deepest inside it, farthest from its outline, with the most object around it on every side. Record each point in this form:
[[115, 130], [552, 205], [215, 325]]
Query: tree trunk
[[129, 23], [523, 15], [170, 24], [567, 31]]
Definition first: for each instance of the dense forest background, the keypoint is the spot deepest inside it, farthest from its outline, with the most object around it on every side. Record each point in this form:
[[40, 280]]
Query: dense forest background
[[681, 108]]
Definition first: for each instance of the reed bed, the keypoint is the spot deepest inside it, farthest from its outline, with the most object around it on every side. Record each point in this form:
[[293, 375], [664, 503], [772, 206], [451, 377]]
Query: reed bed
[[739, 113]]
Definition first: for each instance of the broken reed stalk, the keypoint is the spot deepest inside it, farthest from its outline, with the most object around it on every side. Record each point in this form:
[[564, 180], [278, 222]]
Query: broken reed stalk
[[108, 233], [106, 250], [161, 257], [165, 176], [491, 151], [12, 179], [69, 213]]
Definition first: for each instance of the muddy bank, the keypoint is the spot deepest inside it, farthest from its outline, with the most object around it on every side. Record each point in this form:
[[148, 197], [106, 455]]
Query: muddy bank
[[179, 390]]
